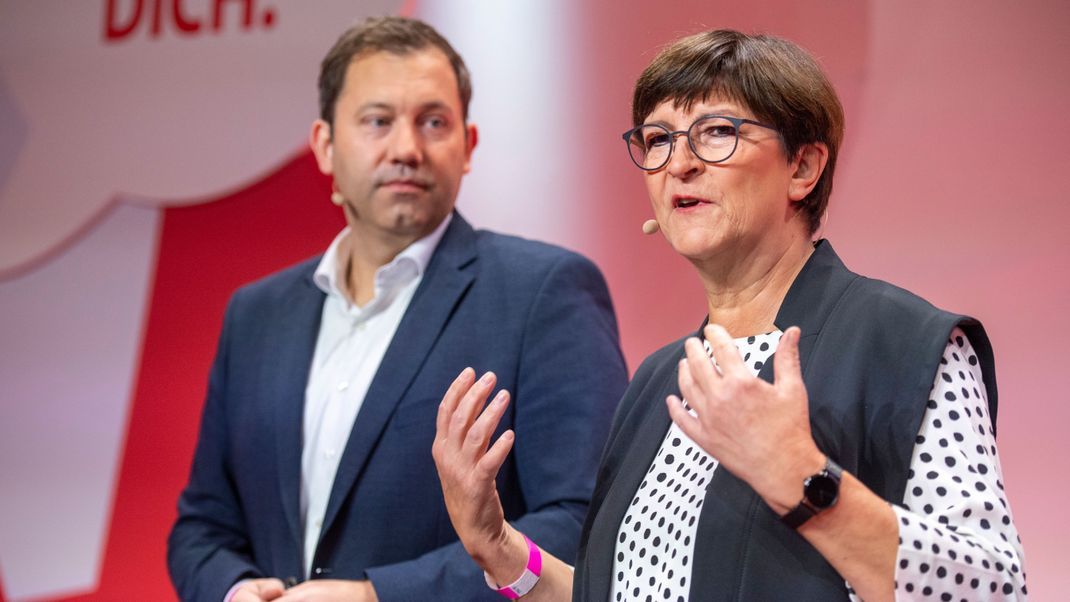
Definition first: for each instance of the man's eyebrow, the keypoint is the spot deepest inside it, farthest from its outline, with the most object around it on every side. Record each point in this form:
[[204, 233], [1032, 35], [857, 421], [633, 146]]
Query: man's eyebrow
[[427, 106], [375, 105], [434, 105]]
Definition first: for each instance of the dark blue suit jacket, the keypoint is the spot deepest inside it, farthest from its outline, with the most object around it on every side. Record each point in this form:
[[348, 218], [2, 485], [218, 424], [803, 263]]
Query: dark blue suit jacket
[[539, 316]]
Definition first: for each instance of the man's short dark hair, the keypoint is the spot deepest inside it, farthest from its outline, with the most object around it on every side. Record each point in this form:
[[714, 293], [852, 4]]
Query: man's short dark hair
[[396, 35], [772, 77]]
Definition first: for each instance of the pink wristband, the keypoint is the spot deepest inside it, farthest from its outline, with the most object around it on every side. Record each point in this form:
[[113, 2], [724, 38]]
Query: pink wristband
[[527, 580]]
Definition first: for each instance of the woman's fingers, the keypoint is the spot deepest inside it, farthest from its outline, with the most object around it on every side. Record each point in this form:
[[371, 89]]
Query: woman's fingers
[[702, 369], [479, 435], [491, 462], [690, 390], [786, 364], [725, 351], [688, 424], [453, 395], [468, 408], [463, 432]]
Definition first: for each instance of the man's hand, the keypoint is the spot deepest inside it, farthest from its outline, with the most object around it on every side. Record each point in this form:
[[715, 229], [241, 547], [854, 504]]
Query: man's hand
[[760, 432], [259, 590], [330, 590]]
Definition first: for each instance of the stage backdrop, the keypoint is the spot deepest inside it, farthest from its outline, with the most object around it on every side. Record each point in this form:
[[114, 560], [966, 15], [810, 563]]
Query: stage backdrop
[[152, 159]]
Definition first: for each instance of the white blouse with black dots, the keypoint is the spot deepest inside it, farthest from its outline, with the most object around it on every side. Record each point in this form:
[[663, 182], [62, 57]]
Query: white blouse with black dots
[[957, 540]]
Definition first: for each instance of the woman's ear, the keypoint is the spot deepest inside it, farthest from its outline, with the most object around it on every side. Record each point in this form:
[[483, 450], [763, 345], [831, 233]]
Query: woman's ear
[[808, 165]]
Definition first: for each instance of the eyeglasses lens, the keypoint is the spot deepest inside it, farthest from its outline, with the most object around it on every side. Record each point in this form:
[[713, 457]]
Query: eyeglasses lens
[[712, 138]]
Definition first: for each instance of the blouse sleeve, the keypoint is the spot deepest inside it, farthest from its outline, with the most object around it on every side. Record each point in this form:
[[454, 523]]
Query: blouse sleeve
[[957, 539]]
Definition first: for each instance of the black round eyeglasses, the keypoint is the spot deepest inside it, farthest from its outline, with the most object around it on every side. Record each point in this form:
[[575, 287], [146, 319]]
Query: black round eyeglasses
[[712, 138]]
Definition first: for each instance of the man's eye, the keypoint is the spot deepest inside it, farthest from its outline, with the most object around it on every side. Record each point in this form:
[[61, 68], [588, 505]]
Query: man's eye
[[376, 121], [436, 123]]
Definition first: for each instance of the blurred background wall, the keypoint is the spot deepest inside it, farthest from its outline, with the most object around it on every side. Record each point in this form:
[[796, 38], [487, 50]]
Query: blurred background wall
[[153, 158]]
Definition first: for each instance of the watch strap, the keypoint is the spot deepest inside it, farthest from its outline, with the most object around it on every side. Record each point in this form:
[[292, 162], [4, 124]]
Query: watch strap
[[798, 515]]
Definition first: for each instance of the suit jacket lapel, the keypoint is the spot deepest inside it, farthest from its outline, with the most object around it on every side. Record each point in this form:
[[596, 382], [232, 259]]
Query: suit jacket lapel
[[811, 299], [299, 324], [448, 276]]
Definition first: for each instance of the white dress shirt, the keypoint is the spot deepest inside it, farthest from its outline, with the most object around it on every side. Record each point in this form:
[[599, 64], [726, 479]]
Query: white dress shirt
[[351, 343]]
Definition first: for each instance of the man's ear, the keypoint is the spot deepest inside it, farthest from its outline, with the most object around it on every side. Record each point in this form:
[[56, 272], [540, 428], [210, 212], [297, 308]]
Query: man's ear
[[322, 145], [807, 166], [471, 138]]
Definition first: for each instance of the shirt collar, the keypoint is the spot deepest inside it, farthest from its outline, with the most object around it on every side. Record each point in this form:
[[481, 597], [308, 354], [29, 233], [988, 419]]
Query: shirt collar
[[410, 263]]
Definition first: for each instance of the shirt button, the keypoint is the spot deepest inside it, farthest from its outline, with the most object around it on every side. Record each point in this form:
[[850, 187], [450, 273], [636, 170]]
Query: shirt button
[[342, 386], [319, 523], [330, 453]]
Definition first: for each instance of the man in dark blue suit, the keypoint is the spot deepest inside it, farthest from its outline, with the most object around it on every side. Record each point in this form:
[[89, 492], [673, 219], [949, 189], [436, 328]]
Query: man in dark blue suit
[[313, 477]]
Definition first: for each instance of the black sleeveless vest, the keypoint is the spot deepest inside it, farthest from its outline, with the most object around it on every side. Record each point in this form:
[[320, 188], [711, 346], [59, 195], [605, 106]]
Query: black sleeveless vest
[[869, 354]]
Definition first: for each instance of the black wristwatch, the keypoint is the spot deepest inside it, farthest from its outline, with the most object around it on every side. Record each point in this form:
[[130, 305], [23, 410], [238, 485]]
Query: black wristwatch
[[820, 492]]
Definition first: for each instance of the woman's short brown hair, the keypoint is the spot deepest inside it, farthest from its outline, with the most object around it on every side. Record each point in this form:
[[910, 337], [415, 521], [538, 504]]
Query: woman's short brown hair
[[396, 35], [775, 79]]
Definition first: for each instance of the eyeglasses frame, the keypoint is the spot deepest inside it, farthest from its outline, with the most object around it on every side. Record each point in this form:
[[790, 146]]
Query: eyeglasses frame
[[673, 135]]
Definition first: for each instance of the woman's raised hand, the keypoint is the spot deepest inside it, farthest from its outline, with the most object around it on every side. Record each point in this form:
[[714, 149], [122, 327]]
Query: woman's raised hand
[[467, 465], [758, 431], [467, 468]]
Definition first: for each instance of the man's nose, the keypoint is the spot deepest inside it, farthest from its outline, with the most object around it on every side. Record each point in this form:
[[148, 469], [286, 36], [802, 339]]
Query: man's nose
[[406, 146]]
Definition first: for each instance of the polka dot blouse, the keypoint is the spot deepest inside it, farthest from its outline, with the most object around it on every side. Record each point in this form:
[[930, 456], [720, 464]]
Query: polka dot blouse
[[957, 539]]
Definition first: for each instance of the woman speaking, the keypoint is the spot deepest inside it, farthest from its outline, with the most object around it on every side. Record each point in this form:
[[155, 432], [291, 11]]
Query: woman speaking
[[823, 436]]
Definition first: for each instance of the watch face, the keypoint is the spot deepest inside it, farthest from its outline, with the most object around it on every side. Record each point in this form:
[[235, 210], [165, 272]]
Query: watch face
[[822, 490]]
